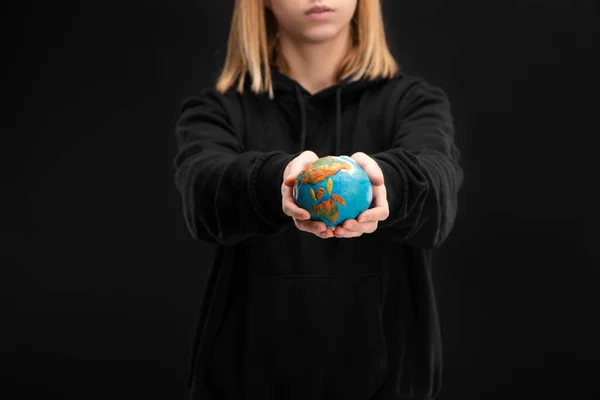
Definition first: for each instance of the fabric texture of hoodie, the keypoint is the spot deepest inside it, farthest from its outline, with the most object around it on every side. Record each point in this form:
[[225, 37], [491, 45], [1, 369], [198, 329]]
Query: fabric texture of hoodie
[[290, 316]]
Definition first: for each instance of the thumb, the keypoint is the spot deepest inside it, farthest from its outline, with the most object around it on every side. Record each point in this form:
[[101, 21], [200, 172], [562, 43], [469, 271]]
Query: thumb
[[289, 181], [298, 165]]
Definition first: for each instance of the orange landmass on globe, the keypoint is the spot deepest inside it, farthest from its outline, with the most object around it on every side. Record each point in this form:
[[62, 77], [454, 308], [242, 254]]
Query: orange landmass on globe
[[327, 210], [338, 199], [322, 169]]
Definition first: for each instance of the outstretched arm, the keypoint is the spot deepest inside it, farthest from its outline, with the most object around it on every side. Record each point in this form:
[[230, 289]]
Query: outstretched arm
[[228, 193], [421, 172]]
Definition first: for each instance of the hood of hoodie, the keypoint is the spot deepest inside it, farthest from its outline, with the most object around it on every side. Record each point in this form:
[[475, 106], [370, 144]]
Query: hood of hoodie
[[288, 90]]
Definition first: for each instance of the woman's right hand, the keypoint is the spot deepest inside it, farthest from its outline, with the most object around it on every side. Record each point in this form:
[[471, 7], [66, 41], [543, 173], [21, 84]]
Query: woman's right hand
[[300, 216]]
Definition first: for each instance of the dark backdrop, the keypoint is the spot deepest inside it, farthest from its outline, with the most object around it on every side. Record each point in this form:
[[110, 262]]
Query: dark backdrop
[[102, 282]]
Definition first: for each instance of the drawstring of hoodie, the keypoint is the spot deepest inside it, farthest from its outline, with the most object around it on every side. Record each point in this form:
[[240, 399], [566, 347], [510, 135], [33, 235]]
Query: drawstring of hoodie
[[338, 120]]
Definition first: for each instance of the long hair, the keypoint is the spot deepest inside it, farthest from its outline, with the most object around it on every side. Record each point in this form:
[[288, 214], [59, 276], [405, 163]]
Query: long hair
[[253, 47]]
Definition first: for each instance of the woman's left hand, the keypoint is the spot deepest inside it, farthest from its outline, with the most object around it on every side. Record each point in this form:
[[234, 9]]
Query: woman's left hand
[[367, 221]]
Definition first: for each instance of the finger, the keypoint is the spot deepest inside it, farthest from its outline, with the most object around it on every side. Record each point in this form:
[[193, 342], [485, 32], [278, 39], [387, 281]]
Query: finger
[[380, 201], [342, 233], [363, 227], [380, 208], [289, 206], [327, 234], [370, 167], [315, 227], [301, 163], [290, 180], [292, 210], [351, 225], [379, 195], [373, 215]]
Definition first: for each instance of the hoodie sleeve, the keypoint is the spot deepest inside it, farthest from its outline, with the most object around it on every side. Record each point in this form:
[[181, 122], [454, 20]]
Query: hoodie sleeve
[[228, 193], [421, 171]]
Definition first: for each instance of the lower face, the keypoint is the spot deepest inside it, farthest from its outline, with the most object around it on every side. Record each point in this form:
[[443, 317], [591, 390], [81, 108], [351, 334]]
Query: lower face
[[316, 27]]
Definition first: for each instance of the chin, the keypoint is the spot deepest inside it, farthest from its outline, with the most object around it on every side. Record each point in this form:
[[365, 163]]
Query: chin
[[321, 35]]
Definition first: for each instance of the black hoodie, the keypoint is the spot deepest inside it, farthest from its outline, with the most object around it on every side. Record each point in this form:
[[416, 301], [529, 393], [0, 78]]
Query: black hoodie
[[290, 316]]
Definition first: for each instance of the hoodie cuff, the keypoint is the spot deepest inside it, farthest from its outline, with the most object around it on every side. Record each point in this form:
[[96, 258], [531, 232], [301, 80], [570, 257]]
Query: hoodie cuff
[[265, 187]]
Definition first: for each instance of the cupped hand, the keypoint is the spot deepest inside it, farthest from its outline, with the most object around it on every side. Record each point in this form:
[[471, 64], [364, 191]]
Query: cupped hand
[[300, 216], [367, 221]]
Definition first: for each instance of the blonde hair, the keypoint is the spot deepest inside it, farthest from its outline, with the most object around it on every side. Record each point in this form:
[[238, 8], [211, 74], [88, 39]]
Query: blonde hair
[[252, 47]]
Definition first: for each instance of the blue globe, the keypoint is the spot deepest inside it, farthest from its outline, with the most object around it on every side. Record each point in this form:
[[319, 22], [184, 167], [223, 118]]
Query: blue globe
[[333, 189]]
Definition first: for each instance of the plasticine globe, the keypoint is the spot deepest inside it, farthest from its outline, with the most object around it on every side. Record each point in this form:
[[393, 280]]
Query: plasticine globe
[[333, 189]]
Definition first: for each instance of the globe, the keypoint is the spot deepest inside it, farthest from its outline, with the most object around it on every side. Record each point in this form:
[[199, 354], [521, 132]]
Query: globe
[[333, 189]]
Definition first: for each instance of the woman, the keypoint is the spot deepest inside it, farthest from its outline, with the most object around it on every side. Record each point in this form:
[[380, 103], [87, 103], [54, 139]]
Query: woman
[[291, 312]]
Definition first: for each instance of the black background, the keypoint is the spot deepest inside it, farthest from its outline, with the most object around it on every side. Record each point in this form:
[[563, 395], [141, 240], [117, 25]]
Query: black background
[[102, 282]]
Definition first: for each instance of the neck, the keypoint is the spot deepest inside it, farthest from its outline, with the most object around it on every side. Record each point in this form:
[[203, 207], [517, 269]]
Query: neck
[[314, 64]]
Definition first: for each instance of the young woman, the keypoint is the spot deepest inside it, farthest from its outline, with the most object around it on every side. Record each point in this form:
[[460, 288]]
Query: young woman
[[291, 312]]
